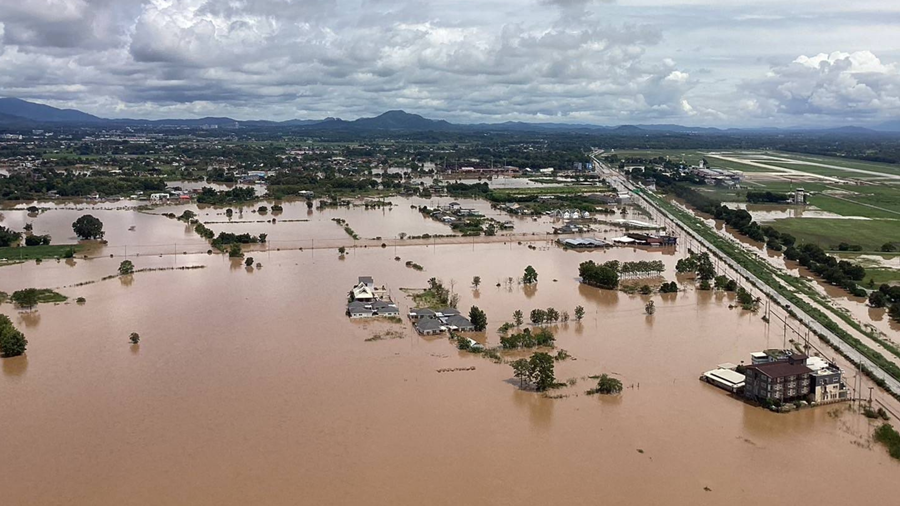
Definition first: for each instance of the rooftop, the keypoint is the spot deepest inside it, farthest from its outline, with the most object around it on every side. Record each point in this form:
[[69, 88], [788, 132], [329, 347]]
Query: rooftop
[[781, 369]]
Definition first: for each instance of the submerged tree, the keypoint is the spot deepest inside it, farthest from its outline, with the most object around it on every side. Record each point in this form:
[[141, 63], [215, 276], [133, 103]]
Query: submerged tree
[[522, 371], [478, 318], [650, 308], [12, 342], [26, 299], [88, 227], [542, 374], [135, 338], [518, 317], [531, 276], [579, 313], [607, 386], [126, 268], [476, 281]]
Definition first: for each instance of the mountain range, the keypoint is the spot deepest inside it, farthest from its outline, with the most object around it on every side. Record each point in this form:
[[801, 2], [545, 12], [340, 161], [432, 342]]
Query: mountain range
[[17, 113]]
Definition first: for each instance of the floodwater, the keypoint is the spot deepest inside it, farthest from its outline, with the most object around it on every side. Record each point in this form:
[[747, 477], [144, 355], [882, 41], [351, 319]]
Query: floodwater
[[767, 213], [250, 386]]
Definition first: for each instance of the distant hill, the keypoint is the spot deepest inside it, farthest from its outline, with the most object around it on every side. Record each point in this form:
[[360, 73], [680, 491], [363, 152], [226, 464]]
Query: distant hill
[[889, 126], [400, 120], [43, 113], [16, 113], [15, 121]]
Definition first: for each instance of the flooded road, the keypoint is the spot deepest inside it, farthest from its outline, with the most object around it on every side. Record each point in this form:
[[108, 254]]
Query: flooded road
[[252, 387]]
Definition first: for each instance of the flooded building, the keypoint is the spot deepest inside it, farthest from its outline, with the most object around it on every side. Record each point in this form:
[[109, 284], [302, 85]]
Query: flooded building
[[783, 380]]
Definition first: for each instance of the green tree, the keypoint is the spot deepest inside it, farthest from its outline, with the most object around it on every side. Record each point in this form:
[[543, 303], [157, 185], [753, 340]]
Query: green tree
[[248, 262], [607, 385], [531, 276], [542, 375], [8, 237], [478, 318], [126, 268], [476, 281], [522, 371], [551, 315], [12, 342], [518, 317], [26, 299], [602, 276], [579, 313], [888, 247], [538, 316], [88, 227], [235, 251]]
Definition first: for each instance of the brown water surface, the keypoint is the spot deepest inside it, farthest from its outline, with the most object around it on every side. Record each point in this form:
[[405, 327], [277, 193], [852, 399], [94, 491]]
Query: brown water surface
[[250, 386]]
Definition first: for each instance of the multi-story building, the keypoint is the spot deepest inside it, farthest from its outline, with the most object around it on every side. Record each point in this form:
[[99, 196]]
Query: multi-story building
[[783, 380]]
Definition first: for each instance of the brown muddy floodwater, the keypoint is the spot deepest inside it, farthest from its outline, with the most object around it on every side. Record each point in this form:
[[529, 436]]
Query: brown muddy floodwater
[[252, 387]]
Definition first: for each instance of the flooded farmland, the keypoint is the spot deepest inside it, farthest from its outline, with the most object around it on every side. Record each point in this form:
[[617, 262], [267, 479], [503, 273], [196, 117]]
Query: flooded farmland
[[250, 386]]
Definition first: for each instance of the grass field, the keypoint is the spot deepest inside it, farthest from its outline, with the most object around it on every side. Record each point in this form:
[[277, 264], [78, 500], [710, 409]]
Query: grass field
[[846, 206], [36, 252], [827, 232], [880, 276], [884, 168]]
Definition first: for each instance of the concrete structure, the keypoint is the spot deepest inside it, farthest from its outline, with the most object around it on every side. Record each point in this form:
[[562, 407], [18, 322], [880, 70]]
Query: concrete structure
[[459, 323], [726, 379], [417, 314], [826, 385], [429, 326], [783, 380], [585, 242]]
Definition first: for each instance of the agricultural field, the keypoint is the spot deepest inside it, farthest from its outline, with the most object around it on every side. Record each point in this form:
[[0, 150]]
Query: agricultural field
[[829, 232]]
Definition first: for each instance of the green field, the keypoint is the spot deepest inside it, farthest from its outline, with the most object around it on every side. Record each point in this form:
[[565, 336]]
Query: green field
[[827, 232], [880, 276], [884, 168], [17, 254]]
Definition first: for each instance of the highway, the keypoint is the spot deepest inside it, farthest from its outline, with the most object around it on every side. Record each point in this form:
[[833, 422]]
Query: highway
[[623, 184]]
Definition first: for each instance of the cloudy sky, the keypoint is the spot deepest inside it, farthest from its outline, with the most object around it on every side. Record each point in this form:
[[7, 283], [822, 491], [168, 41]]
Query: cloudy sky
[[695, 62]]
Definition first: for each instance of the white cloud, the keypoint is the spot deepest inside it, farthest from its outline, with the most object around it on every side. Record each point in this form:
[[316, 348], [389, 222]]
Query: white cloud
[[462, 60], [836, 84]]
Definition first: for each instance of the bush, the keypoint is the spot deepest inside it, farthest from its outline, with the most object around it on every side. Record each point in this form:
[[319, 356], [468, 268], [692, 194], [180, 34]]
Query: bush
[[126, 268], [607, 386], [37, 240], [670, 287], [888, 436]]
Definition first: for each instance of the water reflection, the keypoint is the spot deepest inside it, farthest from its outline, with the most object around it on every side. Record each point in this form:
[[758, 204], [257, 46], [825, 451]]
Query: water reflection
[[15, 366], [126, 280], [598, 296], [30, 319], [530, 290], [540, 409]]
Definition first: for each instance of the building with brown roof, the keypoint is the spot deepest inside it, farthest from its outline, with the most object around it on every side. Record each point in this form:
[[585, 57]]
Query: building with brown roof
[[783, 380]]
